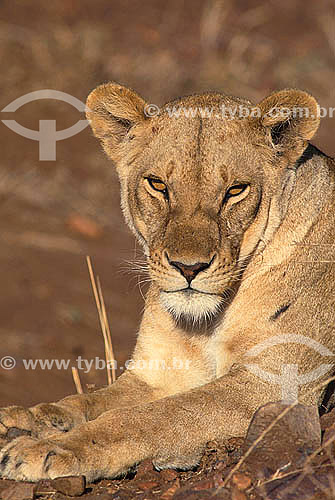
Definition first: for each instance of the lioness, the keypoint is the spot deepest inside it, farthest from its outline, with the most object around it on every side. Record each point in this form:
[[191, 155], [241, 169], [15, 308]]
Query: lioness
[[236, 217]]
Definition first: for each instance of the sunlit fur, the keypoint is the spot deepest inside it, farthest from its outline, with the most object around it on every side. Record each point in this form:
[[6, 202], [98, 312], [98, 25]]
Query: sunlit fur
[[193, 305]]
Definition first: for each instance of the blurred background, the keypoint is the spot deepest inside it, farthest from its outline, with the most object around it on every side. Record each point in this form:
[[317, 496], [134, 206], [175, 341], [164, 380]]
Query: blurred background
[[54, 213]]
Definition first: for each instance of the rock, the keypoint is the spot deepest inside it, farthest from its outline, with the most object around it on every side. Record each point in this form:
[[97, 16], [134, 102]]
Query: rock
[[71, 485], [291, 439], [19, 491]]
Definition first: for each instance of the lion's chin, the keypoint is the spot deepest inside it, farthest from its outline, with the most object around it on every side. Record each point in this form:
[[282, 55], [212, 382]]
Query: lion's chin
[[191, 305]]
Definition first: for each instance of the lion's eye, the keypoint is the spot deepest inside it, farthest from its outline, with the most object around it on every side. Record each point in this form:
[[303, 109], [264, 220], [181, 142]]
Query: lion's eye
[[236, 190], [157, 185]]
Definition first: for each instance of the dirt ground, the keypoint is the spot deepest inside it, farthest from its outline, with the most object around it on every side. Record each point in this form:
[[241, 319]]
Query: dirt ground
[[54, 213]]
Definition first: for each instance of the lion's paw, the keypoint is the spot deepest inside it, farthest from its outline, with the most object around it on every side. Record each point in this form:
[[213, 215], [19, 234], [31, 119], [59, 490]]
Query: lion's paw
[[40, 421], [14, 421], [31, 459]]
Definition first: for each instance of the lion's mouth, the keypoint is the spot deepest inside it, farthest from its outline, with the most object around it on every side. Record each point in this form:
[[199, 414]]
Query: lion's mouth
[[190, 291]]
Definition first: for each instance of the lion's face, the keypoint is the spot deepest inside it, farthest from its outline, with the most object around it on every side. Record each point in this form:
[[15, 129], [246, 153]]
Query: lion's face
[[192, 205], [200, 194]]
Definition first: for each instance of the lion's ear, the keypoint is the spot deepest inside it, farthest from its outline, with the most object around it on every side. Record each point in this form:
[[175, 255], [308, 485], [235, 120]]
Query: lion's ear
[[291, 118], [112, 110]]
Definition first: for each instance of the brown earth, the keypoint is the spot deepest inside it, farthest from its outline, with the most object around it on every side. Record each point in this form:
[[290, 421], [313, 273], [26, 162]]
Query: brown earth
[[54, 213]]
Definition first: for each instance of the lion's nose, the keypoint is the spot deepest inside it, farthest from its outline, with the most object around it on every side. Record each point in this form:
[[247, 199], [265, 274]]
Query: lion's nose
[[190, 272]]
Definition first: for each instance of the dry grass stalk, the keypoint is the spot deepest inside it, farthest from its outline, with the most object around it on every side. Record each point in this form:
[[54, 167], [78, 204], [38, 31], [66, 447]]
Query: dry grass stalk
[[76, 380], [109, 345], [100, 303]]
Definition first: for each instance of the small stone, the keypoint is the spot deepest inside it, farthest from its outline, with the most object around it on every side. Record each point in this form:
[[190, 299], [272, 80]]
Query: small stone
[[241, 481], [71, 485]]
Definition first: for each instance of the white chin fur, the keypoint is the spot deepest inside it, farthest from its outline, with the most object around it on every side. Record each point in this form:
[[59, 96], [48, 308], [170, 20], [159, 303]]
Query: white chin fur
[[194, 306]]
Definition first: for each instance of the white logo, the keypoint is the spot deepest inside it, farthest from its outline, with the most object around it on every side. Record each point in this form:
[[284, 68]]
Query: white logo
[[47, 135], [289, 379]]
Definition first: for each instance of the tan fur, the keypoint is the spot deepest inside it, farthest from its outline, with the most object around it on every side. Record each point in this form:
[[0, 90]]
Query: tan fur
[[270, 272]]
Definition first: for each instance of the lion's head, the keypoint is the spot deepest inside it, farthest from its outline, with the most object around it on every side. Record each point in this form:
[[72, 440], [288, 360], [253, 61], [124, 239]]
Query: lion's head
[[204, 186]]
